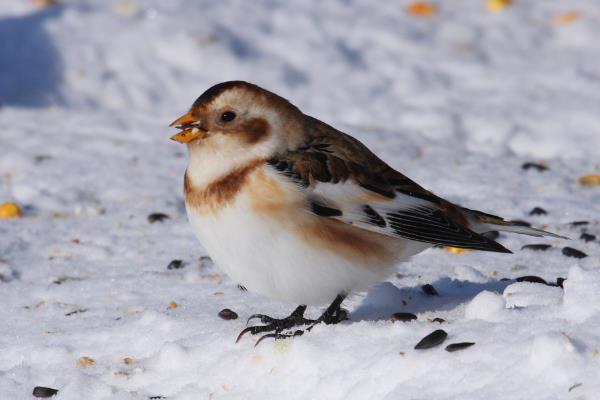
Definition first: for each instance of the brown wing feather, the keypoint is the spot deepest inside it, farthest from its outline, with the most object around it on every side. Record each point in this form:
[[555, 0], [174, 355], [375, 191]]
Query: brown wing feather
[[331, 156]]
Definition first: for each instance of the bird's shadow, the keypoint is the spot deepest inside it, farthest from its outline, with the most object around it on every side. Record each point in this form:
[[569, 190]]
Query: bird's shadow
[[30, 63], [385, 298]]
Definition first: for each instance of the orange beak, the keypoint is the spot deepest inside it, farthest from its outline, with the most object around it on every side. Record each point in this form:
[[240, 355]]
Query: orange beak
[[190, 129]]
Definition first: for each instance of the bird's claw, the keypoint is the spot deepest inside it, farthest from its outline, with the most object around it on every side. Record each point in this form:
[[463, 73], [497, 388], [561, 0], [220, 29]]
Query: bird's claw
[[255, 330], [265, 319], [279, 336]]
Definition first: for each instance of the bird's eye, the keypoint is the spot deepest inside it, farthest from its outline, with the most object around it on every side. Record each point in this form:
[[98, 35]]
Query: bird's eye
[[227, 116]]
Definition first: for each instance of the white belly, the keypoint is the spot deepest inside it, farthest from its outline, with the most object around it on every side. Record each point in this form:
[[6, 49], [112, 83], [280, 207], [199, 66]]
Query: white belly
[[267, 257]]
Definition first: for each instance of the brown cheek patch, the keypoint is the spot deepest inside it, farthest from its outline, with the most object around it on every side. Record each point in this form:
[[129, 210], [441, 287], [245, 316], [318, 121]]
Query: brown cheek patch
[[220, 192], [254, 131]]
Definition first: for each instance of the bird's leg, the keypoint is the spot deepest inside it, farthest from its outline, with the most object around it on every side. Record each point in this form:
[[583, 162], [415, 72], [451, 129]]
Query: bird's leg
[[332, 315], [296, 318]]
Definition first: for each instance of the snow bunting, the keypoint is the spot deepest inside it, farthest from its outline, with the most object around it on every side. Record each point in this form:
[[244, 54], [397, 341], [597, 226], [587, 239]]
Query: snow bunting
[[296, 210]]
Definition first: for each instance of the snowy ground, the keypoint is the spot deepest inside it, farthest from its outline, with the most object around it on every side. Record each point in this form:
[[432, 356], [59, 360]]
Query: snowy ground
[[458, 101]]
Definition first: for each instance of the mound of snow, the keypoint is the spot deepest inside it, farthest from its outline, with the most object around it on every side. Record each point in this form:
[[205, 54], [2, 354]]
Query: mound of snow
[[488, 306], [582, 294]]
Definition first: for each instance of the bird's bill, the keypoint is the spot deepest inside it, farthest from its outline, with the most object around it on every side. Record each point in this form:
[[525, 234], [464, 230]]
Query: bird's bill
[[189, 129], [187, 135]]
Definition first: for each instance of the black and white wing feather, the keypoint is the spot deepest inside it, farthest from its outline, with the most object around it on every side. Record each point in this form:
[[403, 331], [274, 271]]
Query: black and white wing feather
[[344, 180]]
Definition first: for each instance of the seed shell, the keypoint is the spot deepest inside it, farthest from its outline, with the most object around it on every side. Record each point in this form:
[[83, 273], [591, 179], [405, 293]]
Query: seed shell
[[434, 339], [458, 346]]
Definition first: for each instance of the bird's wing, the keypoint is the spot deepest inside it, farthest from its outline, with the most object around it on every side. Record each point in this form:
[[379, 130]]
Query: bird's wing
[[344, 180]]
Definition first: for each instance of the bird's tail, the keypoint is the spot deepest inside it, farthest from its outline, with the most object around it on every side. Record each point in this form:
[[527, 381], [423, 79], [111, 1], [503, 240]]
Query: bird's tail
[[481, 223]]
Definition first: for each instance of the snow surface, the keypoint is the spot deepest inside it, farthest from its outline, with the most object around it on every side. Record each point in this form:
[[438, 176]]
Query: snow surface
[[458, 101]]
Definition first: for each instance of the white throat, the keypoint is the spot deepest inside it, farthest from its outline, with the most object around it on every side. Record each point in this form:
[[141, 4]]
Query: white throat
[[216, 156]]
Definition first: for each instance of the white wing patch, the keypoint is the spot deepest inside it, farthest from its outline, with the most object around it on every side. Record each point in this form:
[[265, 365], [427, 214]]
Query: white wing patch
[[403, 216]]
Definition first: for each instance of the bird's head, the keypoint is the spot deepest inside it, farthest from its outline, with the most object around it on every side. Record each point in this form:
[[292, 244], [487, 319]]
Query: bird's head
[[238, 119]]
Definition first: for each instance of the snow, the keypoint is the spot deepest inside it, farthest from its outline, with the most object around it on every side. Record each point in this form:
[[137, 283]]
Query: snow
[[487, 306], [526, 294], [582, 287], [458, 101]]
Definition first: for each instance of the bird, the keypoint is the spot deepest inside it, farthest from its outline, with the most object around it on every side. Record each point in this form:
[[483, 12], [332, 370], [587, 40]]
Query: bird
[[295, 210]]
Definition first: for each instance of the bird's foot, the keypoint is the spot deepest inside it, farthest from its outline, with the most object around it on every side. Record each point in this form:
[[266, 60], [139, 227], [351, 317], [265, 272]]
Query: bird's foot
[[339, 316], [333, 315], [277, 325]]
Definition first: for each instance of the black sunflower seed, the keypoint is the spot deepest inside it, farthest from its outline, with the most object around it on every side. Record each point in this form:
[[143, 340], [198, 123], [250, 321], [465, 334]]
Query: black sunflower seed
[[536, 247], [160, 217], [571, 252], [43, 392], [532, 279], [438, 320], [41, 158], [458, 346], [227, 314], [435, 338], [575, 386], [175, 264], [403, 316], [78, 311], [538, 211], [579, 223], [429, 290], [587, 237], [536, 166]]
